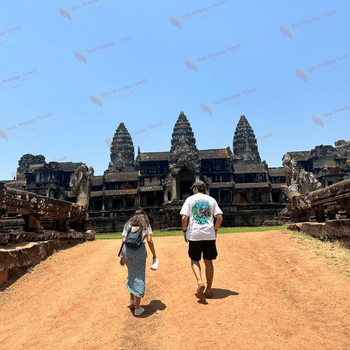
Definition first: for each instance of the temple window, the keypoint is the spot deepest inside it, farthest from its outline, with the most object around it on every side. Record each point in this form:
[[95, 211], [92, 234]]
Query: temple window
[[275, 197], [151, 200], [130, 202], [98, 204]]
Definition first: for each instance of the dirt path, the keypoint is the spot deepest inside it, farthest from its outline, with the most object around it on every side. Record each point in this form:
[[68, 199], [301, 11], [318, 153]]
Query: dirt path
[[270, 293]]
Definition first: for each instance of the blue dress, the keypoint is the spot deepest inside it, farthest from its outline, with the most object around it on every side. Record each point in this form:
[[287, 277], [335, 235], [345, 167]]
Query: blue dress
[[135, 260]]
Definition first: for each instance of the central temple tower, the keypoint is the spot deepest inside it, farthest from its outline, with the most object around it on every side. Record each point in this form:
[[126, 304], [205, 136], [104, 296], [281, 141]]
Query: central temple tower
[[184, 162], [245, 146], [122, 151]]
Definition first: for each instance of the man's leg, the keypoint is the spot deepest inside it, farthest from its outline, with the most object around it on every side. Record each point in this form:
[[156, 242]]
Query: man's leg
[[209, 254], [196, 267], [209, 273]]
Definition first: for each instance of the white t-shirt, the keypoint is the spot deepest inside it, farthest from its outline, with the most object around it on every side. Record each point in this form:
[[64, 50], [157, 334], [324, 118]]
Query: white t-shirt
[[201, 209], [146, 232]]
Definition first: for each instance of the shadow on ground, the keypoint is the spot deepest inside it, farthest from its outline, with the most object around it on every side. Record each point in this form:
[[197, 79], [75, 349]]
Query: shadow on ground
[[151, 308], [219, 293]]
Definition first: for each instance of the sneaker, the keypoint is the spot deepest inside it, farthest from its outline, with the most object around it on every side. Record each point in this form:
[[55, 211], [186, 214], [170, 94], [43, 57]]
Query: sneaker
[[132, 304], [155, 264], [139, 311]]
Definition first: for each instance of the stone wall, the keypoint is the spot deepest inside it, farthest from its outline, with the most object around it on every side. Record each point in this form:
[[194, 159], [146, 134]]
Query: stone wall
[[15, 259]]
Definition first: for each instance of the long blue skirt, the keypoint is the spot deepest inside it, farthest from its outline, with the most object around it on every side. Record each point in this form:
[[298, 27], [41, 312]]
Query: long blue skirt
[[135, 260]]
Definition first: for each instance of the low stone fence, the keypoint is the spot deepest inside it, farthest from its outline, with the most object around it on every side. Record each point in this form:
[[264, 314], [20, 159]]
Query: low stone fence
[[16, 259], [333, 230]]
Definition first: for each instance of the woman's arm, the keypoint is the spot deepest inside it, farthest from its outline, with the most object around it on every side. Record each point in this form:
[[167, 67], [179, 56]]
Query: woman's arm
[[151, 245]]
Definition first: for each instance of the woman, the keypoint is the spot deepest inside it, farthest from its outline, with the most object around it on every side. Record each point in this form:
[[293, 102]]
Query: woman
[[135, 259]]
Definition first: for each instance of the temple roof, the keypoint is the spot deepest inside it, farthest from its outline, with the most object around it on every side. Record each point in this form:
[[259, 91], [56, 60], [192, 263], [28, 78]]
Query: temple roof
[[221, 184], [122, 176], [65, 166], [127, 192], [97, 180], [252, 185], [19, 185], [300, 155], [154, 156], [277, 171], [214, 153], [151, 189], [33, 167], [203, 154], [278, 186], [249, 168], [96, 193], [68, 166]]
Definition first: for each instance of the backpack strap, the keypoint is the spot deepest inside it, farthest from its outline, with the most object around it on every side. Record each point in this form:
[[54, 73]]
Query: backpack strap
[[140, 233], [121, 248]]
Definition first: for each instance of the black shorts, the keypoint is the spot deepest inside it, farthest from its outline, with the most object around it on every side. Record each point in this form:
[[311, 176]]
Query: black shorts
[[208, 248]]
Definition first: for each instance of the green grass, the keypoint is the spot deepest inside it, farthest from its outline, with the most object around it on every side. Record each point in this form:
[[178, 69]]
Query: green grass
[[179, 233]]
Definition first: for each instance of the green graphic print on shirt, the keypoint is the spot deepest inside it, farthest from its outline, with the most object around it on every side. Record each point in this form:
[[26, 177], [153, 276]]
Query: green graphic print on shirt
[[201, 212]]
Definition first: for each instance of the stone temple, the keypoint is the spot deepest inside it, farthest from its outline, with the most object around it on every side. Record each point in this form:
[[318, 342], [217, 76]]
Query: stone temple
[[247, 190]]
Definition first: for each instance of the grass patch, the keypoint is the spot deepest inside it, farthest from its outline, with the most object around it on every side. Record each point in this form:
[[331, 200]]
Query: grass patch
[[118, 235], [334, 252]]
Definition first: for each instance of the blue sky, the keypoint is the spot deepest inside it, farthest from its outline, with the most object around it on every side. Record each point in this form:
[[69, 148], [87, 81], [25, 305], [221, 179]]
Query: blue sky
[[72, 70]]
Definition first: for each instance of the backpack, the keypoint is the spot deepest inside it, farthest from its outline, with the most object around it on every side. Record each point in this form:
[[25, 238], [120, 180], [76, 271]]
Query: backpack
[[134, 240]]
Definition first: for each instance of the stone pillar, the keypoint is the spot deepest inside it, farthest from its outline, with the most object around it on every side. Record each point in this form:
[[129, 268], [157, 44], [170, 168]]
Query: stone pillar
[[103, 202], [138, 200], [173, 188], [165, 193], [144, 201]]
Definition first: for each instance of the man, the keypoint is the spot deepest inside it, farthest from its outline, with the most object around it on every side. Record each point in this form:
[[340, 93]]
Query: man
[[198, 212]]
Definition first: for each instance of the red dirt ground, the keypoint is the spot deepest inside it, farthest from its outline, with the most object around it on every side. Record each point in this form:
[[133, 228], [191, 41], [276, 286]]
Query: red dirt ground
[[269, 293]]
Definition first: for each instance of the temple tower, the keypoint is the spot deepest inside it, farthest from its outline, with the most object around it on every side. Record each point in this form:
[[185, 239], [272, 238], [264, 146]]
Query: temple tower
[[182, 127], [245, 145], [122, 151], [184, 159]]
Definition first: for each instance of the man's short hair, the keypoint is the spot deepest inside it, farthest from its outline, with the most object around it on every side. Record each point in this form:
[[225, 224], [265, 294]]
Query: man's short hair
[[200, 185]]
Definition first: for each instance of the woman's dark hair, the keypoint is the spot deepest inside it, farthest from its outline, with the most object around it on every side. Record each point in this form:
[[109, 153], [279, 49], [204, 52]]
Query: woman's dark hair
[[140, 218]]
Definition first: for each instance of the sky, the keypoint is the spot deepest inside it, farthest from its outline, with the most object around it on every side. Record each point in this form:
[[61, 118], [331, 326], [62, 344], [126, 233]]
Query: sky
[[71, 71]]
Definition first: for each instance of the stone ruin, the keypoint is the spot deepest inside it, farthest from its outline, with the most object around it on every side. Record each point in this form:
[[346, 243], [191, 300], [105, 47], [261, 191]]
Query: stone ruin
[[34, 226], [320, 212]]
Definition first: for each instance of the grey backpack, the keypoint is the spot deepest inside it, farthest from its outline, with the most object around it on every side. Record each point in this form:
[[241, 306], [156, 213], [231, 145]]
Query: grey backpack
[[134, 240]]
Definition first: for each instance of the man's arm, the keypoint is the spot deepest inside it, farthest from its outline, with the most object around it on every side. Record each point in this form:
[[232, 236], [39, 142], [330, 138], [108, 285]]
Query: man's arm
[[219, 220], [184, 221]]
